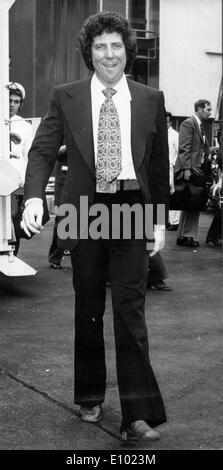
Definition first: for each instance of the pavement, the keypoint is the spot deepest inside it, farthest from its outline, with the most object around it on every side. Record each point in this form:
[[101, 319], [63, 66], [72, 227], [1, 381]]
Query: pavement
[[36, 354]]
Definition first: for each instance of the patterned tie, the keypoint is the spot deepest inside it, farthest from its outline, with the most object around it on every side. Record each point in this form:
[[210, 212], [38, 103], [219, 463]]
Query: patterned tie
[[109, 152]]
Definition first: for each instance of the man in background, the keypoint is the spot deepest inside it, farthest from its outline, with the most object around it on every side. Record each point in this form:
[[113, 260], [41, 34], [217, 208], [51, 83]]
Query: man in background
[[21, 137], [173, 142], [20, 130], [193, 152]]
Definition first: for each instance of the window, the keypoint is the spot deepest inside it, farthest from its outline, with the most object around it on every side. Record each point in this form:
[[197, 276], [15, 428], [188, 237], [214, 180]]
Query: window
[[137, 14], [118, 6]]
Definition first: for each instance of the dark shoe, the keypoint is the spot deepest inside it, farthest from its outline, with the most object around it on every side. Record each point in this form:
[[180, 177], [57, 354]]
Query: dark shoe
[[172, 227], [91, 414], [187, 241], [55, 265], [140, 431], [212, 240], [161, 285], [66, 253]]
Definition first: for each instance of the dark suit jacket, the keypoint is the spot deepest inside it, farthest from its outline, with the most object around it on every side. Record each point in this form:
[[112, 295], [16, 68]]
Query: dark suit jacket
[[60, 172], [70, 118], [191, 145]]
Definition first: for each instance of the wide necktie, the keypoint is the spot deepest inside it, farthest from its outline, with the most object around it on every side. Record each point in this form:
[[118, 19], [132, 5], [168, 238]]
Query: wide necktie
[[109, 152], [202, 132]]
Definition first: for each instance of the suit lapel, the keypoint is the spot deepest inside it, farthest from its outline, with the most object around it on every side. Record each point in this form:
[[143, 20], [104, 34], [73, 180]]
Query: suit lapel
[[79, 116], [78, 111], [197, 128]]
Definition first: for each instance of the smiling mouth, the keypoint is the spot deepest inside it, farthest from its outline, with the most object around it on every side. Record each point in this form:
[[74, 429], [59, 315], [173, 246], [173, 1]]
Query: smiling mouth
[[109, 66]]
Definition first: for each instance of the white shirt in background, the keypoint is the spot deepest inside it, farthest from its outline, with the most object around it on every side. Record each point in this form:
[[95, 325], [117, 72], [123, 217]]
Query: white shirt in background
[[173, 142], [23, 129]]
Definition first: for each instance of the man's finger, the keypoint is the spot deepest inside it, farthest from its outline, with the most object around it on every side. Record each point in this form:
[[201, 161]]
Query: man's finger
[[39, 221], [30, 226], [23, 227], [34, 227], [153, 253]]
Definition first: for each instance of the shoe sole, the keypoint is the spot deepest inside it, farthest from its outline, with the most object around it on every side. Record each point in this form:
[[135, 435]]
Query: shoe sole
[[215, 243], [87, 420], [128, 436], [188, 246], [161, 289]]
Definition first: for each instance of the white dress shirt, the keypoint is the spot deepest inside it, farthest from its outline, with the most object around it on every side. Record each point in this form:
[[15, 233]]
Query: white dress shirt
[[173, 142], [122, 100], [23, 129]]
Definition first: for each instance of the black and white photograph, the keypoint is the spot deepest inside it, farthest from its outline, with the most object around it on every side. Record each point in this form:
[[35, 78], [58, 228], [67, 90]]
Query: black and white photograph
[[111, 325]]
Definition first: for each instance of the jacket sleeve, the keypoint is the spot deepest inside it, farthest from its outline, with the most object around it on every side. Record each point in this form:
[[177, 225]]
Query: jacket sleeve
[[159, 167], [60, 176], [186, 134], [44, 149]]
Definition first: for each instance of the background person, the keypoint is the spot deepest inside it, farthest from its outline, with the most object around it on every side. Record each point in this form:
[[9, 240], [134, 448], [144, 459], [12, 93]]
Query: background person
[[97, 118], [20, 142], [193, 151], [157, 273], [20, 130], [214, 234], [173, 142]]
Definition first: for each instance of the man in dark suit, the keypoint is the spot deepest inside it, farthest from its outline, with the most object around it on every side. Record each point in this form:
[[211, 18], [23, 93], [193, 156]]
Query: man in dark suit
[[107, 116], [193, 152]]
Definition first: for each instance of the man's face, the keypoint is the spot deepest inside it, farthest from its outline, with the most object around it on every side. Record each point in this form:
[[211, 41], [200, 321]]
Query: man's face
[[204, 113], [14, 104], [109, 58]]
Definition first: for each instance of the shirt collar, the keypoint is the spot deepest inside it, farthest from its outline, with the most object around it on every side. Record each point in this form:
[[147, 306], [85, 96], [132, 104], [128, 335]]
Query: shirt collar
[[197, 119], [121, 87]]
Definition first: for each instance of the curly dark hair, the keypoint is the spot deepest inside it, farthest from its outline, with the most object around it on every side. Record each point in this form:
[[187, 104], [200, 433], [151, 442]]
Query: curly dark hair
[[107, 22], [201, 104]]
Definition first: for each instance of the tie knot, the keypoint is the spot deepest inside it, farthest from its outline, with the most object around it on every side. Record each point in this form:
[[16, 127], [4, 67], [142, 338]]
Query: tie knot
[[109, 92]]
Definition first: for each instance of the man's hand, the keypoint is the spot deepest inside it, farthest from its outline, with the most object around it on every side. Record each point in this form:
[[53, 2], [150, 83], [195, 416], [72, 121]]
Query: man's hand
[[187, 175], [62, 150], [55, 210], [32, 217], [172, 189], [159, 237], [15, 138], [216, 188]]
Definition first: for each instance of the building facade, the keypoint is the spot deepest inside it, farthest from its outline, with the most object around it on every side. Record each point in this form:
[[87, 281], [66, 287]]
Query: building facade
[[191, 54], [179, 48]]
